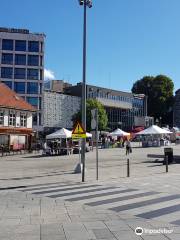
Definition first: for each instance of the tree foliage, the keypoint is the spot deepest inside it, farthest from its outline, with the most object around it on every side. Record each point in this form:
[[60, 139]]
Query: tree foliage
[[102, 115], [159, 92]]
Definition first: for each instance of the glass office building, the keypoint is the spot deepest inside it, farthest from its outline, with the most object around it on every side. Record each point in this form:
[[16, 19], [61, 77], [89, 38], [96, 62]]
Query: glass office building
[[22, 66], [123, 108]]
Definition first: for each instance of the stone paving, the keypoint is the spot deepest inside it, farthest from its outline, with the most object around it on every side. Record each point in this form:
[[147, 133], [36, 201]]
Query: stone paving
[[30, 212]]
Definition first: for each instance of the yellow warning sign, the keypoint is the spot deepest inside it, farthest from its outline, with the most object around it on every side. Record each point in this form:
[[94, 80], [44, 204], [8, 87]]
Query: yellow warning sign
[[78, 131]]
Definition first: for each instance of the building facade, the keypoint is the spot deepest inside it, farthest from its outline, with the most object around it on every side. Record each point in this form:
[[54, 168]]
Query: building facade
[[176, 110], [22, 66], [56, 85], [59, 109], [122, 107], [15, 120]]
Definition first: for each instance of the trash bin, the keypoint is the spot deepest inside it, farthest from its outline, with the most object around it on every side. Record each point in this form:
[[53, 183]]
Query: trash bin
[[168, 152]]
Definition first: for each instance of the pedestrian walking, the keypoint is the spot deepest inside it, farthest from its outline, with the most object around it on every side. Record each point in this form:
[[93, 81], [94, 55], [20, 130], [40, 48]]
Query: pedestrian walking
[[128, 147]]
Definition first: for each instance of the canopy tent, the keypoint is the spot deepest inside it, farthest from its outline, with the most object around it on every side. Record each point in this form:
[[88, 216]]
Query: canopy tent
[[119, 132], [62, 133], [88, 135], [153, 130]]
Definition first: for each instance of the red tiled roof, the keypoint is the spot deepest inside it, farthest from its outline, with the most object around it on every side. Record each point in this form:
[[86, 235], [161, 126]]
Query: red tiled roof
[[10, 99]]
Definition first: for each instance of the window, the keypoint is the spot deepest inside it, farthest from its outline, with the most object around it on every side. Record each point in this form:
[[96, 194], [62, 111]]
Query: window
[[23, 120], [1, 118], [33, 60], [33, 74], [33, 46], [6, 72], [8, 83], [19, 87], [20, 45], [33, 101], [12, 119], [19, 73], [34, 119], [20, 59], [7, 58], [7, 44], [32, 88]]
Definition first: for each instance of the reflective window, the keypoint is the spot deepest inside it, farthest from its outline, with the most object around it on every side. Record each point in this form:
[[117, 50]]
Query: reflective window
[[23, 120], [33, 74], [7, 58], [20, 45], [1, 118], [19, 73], [33, 46], [12, 119], [19, 87], [7, 44], [8, 83], [32, 88], [33, 101], [20, 59], [6, 72], [33, 60]]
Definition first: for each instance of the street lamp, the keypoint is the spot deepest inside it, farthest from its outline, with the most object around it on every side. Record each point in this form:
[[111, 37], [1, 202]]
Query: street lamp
[[83, 99]]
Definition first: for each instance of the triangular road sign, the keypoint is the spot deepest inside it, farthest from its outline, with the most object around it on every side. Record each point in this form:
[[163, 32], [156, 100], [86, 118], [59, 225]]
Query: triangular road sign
[[78, 129]]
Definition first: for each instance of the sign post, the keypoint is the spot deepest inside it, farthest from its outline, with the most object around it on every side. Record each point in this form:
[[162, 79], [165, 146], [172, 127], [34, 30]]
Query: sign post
[[94, 126], [78, 133]]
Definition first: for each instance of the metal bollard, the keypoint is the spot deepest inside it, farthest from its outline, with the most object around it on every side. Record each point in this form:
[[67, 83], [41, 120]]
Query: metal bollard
[[128, 168], [166, 159]]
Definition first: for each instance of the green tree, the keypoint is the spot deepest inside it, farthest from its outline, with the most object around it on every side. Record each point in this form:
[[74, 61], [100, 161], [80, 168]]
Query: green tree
[[159, 92], [102, 116]]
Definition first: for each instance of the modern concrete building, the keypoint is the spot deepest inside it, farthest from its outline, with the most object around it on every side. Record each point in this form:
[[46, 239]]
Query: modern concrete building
[[15, 120], [22, 66], [177, 109], [123, 108], [59, 109]]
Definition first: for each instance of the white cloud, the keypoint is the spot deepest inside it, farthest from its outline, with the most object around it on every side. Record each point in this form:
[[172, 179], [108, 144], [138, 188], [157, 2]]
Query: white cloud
[[48, 74]]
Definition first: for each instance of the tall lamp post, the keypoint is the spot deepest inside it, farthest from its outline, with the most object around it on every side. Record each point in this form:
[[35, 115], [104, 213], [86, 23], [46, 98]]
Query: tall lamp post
[[84, 3]]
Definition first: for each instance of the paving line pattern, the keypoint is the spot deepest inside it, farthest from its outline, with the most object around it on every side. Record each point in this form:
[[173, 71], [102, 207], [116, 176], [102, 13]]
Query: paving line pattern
[[140, 203]]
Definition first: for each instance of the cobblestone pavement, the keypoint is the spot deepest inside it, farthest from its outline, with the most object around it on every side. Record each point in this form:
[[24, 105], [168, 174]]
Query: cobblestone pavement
[[41, 197]]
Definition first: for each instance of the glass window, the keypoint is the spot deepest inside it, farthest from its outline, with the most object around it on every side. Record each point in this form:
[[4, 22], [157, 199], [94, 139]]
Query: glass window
[[32, 88], [33, 46], [6, 72], [33, 101], [33, 60], [12, 119], [23, 120], [35, 119], [20, 45], [19, 87], [8, 83], [7, 44], [1, 118], [7, 58], [33, 74], [19, 73], [20, 59]]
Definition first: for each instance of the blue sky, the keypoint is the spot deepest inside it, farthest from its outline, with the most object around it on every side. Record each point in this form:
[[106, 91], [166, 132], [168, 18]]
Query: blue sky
[[127, 39]]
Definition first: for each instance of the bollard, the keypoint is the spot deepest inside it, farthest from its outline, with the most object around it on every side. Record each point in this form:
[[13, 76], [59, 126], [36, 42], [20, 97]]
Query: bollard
[[166, 159], [128, 168]]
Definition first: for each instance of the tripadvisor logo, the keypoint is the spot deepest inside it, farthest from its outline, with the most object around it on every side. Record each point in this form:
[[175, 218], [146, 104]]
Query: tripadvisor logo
[[139, 231]]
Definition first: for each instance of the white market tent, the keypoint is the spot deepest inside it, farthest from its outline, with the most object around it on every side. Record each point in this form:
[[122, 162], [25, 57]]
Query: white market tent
[[62, 133], [153, 130], [119, 132]]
